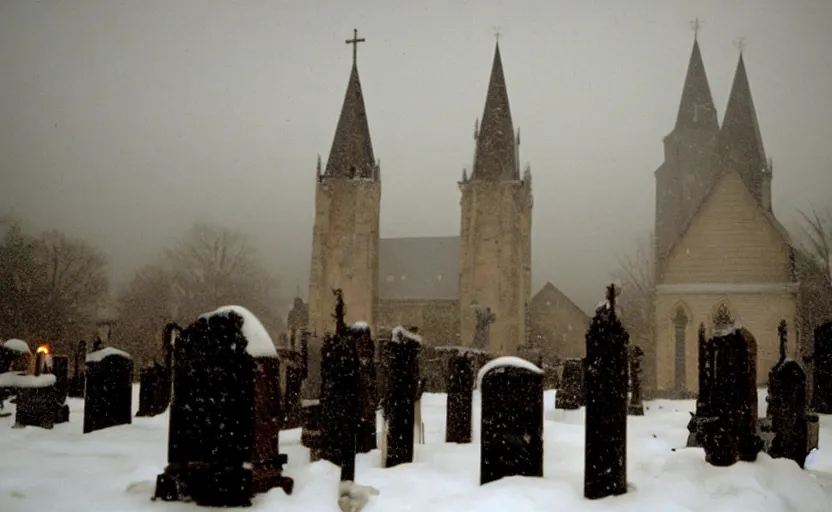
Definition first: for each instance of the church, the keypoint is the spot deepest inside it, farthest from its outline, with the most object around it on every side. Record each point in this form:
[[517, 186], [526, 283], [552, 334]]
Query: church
[[469, 290], [722, 257]]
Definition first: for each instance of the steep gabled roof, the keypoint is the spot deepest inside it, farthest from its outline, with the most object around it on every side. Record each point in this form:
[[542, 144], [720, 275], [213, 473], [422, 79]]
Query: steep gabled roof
[[550, 292], [496, 148], [352, 155], [419, 268]]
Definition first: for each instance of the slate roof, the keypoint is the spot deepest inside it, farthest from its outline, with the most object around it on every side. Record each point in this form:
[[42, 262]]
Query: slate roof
[[424, 268]]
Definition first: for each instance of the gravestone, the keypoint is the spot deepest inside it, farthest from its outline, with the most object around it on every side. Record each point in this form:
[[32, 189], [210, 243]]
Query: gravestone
[[771, 406], [77, 383], [310, 434], [703, 397], [729, 432], [571, 393], [432, 369], [460, 387], [605, 448], [152, 384], [36, 403], [108, 398], [367, 391], [339, 396], [222, 438], [511, 437], [291, 382], [401, 396], [788, 421], [60, 369], [822, 372], [636, 405]]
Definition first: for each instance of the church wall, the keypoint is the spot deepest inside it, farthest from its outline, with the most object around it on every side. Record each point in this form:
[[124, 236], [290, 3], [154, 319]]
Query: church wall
[[561, 328], [729, 241], [760, 313], [437, 320], [344, 252]]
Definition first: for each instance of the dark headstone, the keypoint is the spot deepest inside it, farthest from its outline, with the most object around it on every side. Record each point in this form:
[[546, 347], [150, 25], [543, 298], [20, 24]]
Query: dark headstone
[[339, 402], [108, 398], [729, 432], [211, 433], [822, 372], [292, 379], [367, 391], [512, 420], [77, 383], [400, 398], [36, 403], [703, 397], [571, 393], [310, 434], [788, 421], [605, 453], [60, 369], [636, 405], [154, 390], [266, 460], [460, 398]]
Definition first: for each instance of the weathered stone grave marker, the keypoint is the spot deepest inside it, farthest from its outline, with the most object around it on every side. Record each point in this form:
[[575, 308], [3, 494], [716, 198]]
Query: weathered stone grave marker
[[704, 397], [155, 381], [605, 450], [571, 393], [459, 407], [636, 405], [78, 382], [511, 436], [822, 371], [367, 390], [108, 398]]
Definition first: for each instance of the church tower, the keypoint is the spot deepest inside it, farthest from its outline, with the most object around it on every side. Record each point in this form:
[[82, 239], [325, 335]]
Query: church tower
[[689, 166], [496, 204], [740, 143], [345, 239]]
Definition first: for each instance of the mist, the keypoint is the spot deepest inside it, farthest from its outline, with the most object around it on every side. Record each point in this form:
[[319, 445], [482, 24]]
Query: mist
[[126, 122]]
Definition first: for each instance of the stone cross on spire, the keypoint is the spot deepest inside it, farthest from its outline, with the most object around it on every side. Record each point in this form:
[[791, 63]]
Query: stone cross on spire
[[696, 25], [739, 44], [354, 42], [497, 33]]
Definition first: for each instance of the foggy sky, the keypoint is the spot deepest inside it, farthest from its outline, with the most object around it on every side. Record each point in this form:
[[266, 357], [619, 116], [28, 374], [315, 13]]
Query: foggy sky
[[126, 121]]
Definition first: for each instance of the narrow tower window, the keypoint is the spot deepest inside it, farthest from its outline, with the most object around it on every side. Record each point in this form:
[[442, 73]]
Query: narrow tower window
[[680, 324]]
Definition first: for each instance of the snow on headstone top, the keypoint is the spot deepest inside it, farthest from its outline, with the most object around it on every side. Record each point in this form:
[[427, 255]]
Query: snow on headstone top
[[728, 330], [259, 342], [360, 326], [16, 345], [505, 362], [22, 380], [100, 354], [400, 334]]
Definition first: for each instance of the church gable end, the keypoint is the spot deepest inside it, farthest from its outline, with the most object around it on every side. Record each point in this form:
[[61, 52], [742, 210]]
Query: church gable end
[[730, 240]]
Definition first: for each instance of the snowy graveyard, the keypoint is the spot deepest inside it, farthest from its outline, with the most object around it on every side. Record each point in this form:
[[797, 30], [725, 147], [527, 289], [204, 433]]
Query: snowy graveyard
[[115, 469]]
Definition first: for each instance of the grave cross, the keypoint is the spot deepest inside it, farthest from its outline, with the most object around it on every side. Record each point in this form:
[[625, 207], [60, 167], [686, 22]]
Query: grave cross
[[696, 24], [740, 44], [354, 42]]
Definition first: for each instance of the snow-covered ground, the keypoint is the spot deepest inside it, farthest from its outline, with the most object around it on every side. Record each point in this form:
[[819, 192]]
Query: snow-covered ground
[[115, 470]]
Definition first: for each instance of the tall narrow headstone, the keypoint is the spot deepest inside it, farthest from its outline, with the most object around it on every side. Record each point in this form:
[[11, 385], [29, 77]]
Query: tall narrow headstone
[[460, 387], [266, 460], [367, 390], [822, 371], [605, 452], [571, 393], [401, 395], [636, 405], [511, 437], [108, 399], [789, 413], [60, 369], [703, 397], [78, 382]]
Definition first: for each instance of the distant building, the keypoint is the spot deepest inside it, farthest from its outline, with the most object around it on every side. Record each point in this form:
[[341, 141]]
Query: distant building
[[721, 254]]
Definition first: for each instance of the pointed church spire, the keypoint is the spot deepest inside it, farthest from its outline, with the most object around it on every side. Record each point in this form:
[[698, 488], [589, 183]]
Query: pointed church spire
[[696, 108], [352, 155], [496, 158], [740, 141]]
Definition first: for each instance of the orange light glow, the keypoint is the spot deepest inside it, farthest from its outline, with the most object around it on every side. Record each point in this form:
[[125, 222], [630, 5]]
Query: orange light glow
[[43, 349]]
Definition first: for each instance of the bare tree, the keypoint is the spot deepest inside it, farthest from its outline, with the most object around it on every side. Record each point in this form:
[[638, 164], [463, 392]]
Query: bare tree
[[813, 265], [817, 241], [636, 275]]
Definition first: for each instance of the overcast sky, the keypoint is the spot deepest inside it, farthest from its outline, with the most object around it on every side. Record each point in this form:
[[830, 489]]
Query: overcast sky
[[126, 121]]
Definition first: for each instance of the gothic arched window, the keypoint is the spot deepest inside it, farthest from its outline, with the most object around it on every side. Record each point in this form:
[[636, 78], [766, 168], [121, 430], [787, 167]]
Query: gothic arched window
[[722, 318], [680, 324]]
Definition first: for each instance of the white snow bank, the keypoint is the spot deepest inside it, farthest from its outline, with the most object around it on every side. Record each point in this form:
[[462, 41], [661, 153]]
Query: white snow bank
[[503, 362], [17, 345], [400, 334], [259, 342], [22, 380], [99, 355], [353, 497]]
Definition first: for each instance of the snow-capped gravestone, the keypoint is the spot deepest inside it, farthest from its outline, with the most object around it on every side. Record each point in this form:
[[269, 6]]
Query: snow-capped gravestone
[[787, 407], [822, 362], [225, 413], [155, 380], [729, 433], [15, 356], [109, 389], [401, 397], [511, 437], [460, 397], [605, 445], [570, 394], [36, 394]]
